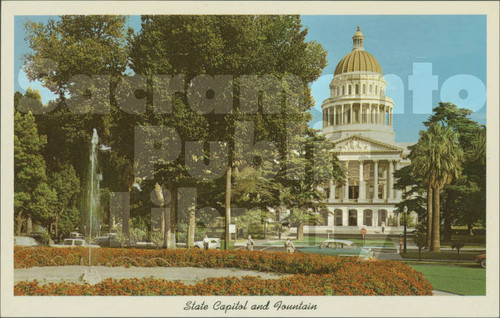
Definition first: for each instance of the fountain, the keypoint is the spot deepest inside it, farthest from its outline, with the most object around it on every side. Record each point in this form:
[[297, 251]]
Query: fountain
[[90, 275]]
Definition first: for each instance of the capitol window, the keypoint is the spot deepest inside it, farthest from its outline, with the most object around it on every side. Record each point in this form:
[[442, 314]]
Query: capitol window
[[370, 89], [364, 89], [350, 90], [357, 89]]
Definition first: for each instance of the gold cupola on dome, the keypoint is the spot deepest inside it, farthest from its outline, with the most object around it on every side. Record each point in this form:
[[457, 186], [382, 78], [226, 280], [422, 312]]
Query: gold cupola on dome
[[358, 60]]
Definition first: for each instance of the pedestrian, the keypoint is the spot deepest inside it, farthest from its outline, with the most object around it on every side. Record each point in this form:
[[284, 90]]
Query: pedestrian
[[290, 248], [250, 243], [383, 227], [206, 241]]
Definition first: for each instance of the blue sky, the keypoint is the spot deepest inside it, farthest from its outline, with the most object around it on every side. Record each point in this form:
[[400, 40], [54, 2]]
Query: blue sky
[[425, 59]]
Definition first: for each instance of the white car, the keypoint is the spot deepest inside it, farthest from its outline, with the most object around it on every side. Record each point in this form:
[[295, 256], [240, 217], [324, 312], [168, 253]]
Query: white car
[[74, 242], [25, 241], [213, 243]]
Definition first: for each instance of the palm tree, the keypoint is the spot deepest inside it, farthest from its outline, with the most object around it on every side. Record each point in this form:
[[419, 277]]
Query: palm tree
[[437, 162], [421, 169]]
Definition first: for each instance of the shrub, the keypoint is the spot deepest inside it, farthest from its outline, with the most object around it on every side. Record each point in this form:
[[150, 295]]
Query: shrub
[[313, 274]]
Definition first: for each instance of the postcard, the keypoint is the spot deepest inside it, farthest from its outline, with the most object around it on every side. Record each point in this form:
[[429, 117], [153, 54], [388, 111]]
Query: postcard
[[249, 158]]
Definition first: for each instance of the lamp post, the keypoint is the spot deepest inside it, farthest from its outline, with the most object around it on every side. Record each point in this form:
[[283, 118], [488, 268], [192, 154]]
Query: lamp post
[[405, 210]]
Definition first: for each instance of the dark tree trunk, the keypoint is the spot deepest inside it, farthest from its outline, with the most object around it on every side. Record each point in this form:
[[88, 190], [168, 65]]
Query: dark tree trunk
[[125, 219], [19, 224], [192, 226], [29, 226], [300, 231], [469, 227], [447, 225], [436, 222], [429, 216], [57, 225], [227, 205]]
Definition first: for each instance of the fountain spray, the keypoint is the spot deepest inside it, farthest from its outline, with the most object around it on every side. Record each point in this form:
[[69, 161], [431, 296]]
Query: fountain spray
[[93, 159]]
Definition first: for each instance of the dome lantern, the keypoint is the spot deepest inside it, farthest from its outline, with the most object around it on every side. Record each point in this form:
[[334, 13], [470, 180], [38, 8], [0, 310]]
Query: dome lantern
[[357, 40]]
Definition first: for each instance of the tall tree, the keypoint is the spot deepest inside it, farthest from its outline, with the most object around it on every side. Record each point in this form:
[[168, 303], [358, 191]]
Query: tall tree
[[31, 191], [81, 58], [464, 199], [420, 150], [66, 184], [440, 163], [235, 46], [305, 197]]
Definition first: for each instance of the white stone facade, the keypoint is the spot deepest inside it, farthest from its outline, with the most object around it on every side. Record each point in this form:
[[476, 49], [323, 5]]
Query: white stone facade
[[358, 119]]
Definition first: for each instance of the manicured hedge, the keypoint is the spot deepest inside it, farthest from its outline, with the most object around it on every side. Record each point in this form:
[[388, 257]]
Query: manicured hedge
[[314, 274]]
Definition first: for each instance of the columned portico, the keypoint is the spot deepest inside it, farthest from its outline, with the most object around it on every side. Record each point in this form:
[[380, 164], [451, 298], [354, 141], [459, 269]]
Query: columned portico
[[375, 181], [362, 187], [391, 180]]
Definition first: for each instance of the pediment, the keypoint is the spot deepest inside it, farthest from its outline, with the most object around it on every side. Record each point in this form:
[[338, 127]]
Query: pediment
[[357, 144]]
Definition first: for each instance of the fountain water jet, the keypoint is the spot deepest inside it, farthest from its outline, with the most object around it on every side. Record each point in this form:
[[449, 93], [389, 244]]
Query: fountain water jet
[[92, 276]]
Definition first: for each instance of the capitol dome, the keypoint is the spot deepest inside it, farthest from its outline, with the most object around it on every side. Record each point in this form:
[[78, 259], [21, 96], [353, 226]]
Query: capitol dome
[[357, 104], [358, 60]]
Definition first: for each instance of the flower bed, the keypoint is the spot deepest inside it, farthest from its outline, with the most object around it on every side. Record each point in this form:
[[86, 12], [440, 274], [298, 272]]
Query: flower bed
[[315, 274]]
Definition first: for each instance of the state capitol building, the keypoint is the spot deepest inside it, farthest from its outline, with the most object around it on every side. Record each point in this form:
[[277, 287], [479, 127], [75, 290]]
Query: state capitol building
[[358, 119]]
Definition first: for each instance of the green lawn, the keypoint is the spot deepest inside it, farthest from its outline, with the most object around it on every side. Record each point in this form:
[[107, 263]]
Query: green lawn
[[451, 255], [454, 279]]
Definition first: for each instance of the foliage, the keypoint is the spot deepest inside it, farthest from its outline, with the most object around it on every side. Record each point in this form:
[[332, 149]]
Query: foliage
[[420, 238], [313, 274], [32, 195], [464, 200], [437, 159]]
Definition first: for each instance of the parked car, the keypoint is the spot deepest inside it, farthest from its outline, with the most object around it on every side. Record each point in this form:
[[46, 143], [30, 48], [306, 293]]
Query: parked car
[[146, 245], [213, 243], [74, 242], [336, 247], [40, 237], [25, 241], [481, 259], [108, 240], [75, 235]]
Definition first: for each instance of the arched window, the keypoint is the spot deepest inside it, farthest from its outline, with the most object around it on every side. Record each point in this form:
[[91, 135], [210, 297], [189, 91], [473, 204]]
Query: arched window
[[338, 91], [370, 88], [376, 89], [357, 89], [367, 217], [380, 191], [382, 217], [350, 89], [353, 217], [343, 90], [338, 217], [364, 88], [333, 91]]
